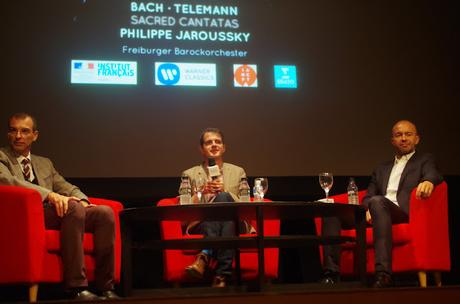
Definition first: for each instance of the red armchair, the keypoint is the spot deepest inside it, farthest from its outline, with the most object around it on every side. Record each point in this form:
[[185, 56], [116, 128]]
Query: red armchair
[[175, 261], [421, 246], [30, 254]]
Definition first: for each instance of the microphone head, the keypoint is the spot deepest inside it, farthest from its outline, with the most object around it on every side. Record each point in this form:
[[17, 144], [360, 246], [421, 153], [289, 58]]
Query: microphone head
[[213, 169]]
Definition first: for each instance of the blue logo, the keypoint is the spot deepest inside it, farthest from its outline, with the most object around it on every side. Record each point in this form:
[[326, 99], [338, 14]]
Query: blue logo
[[285, 76], [168, 74]]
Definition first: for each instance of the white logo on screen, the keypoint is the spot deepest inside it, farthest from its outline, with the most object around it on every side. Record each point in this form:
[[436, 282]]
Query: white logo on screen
[[169, 74]]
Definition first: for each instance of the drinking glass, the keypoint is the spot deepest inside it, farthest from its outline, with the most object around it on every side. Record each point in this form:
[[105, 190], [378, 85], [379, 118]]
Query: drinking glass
[[326, 180], [263, 182], [200, 182]]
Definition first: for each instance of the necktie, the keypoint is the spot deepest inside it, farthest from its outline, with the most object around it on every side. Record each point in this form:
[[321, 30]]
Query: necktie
[[26, 168]]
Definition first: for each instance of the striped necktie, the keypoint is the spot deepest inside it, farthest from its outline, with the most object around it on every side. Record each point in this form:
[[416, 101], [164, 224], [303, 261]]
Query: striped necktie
[[26, 168]]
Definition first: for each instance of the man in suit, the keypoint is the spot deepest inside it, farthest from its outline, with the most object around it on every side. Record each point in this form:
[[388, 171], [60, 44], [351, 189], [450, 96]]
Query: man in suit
[[222, 188], [387, 201], [66, 208]]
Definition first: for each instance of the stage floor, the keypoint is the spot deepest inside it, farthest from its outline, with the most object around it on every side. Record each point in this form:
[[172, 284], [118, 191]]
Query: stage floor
[[277, 293]]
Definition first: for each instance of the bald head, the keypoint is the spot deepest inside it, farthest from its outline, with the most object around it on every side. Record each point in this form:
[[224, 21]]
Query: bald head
[[404, 137], [405, 123]]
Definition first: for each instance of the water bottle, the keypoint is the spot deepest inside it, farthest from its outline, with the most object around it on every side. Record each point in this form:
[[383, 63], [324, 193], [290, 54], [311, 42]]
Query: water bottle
[[352, 190], [244, 192], [185, 191], [258, 191]]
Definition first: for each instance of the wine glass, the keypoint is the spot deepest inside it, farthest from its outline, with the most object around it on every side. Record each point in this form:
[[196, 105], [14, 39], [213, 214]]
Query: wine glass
[[200, 183], [261, 187], [326, 180]]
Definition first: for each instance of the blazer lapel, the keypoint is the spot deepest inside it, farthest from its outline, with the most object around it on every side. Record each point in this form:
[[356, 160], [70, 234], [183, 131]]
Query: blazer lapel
[[226, 175], [37, 171], [386, 176], [407, 168], [15, 166]]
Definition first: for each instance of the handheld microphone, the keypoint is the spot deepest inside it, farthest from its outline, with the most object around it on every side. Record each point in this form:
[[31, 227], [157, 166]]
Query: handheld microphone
[[213, 169]]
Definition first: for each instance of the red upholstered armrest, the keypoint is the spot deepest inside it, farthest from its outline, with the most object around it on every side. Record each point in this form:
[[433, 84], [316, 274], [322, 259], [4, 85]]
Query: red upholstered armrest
[[170, 230], [22, 230], [428, 219]]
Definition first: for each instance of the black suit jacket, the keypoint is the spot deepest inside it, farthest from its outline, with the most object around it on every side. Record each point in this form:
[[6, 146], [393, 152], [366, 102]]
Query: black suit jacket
[[420, 167]]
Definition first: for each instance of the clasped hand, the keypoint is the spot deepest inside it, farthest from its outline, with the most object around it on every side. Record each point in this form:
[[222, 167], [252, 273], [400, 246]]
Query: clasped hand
[[215, 186], [61, 202]]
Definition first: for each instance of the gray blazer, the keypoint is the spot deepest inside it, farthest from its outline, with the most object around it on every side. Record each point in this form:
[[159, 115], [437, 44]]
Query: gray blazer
[[49, 180], [420, 167], [231, 174]]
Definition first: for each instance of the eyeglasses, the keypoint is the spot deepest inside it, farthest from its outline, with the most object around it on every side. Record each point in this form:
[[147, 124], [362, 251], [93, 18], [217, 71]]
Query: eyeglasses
[[24, 132]]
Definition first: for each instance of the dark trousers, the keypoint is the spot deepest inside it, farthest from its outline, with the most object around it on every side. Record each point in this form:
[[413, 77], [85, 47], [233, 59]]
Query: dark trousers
[[384, 214], [224, 257], [98, 220]]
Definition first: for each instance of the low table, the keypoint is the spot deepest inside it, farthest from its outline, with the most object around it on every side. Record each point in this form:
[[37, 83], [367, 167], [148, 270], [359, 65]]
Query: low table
[[235, 211]]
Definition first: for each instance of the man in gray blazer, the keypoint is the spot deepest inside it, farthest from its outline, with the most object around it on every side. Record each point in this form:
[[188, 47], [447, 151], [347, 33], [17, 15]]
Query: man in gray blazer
[[387, 200], [221, 188], [66, 208]]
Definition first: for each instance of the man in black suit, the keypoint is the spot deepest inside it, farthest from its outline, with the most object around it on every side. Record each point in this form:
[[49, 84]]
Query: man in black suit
[[387, 201]]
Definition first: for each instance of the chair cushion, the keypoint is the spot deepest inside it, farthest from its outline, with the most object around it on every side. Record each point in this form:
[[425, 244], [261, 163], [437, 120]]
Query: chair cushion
[[53, 243], [401, 234]]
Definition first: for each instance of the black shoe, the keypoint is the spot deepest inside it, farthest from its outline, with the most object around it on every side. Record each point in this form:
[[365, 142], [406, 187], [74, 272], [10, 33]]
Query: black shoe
[[330, 277], [85, 295], [109, 295], [382, 280]]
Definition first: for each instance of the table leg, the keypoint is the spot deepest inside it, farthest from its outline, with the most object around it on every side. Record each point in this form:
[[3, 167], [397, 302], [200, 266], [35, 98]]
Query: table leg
[[260, 247], [360, 218], [126, 258]]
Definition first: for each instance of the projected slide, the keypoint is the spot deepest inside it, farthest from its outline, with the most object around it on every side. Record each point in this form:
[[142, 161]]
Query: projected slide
[[179, 43]]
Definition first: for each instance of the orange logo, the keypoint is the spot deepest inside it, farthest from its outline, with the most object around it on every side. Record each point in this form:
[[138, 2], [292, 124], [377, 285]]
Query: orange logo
[[245, 76]]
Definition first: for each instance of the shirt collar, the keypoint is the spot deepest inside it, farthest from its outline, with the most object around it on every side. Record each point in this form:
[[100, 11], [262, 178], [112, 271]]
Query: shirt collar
[[20, 158], [404, 158]]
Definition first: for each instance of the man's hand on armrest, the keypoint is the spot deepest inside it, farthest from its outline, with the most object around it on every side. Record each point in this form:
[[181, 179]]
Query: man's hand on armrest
[[424, 190]]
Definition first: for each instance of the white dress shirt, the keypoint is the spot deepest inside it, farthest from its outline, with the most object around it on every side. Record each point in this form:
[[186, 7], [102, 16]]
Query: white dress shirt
[[395, 176]]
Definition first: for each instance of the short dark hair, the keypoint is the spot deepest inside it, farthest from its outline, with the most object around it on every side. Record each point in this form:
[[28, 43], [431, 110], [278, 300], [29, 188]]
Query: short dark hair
[[211, 130], [24, 115]]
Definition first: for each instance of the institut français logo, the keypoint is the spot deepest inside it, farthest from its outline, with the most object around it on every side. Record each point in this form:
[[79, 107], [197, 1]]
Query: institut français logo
[[103, 72]]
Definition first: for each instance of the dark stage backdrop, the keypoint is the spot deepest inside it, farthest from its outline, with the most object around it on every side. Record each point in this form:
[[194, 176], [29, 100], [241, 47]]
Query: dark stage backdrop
[[360, 66]]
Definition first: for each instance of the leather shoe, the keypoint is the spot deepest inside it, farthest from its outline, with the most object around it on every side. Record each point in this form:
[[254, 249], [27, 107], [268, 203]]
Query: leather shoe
[[382, 280], [330, 278], [109, 295], [85, 295], [198, 268], [219, 281]]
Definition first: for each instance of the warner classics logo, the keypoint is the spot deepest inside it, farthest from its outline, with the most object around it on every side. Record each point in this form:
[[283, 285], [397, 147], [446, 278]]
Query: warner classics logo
[[168, 74], [185, 74], [103, 72]]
